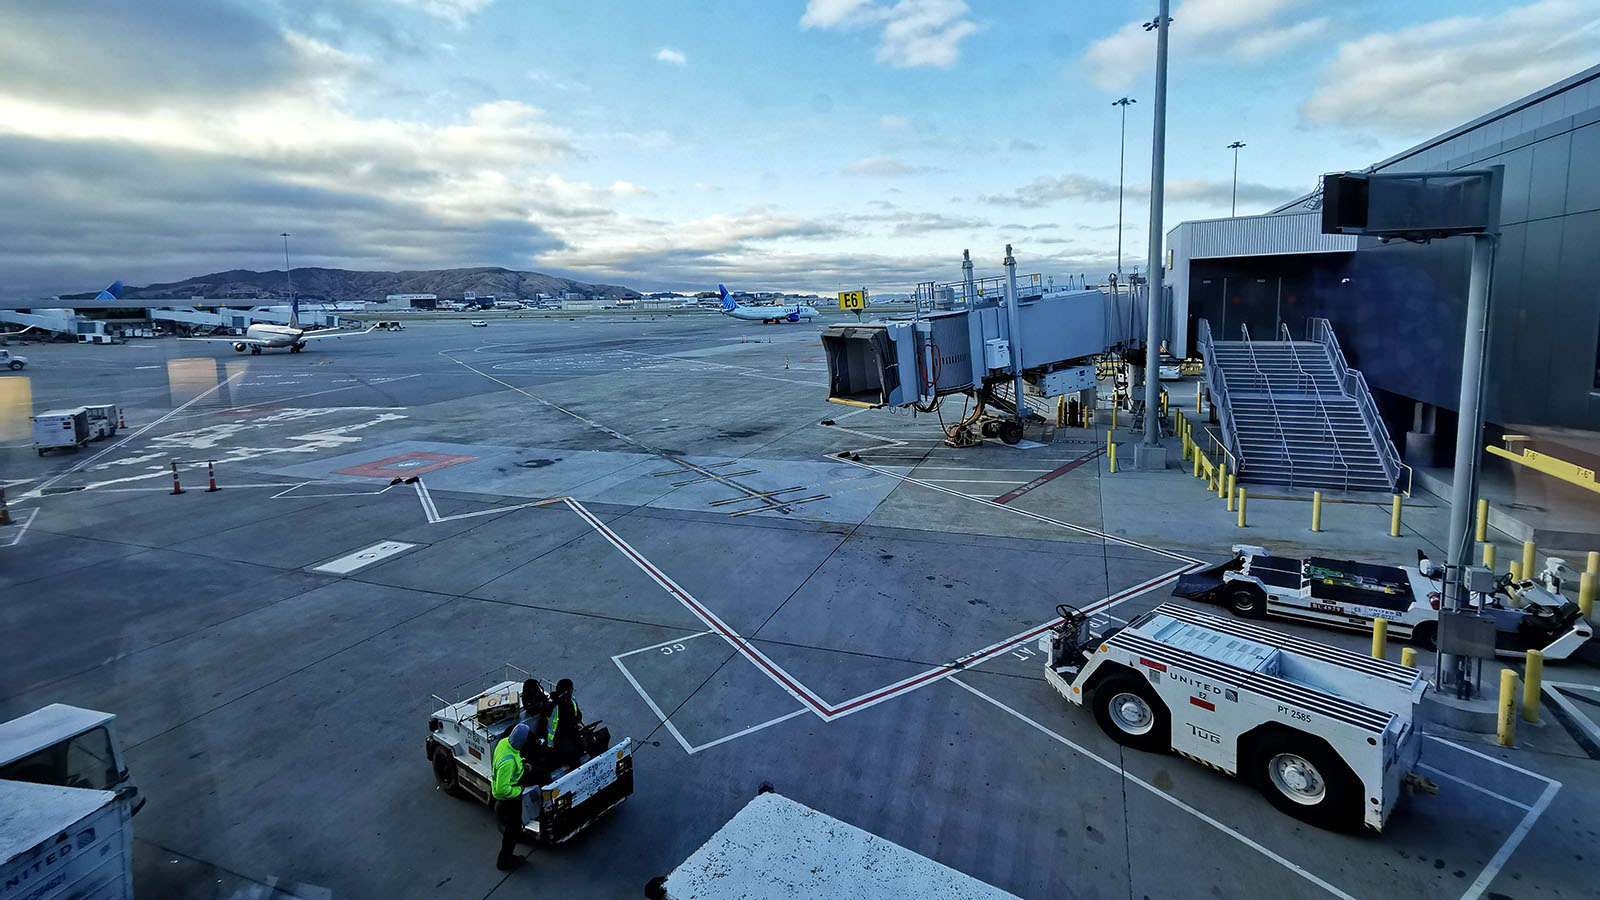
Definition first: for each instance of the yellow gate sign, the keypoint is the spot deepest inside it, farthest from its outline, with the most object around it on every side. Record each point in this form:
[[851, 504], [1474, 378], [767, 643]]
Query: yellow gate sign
[[852, 299]]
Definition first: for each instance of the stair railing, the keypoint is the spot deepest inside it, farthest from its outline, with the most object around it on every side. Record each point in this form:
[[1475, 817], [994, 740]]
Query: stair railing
[[1277, 420], [1353, 385], [1327, 420], [1217, 386]]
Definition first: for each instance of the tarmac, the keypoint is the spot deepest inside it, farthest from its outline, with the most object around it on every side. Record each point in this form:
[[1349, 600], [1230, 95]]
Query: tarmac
[[721, 584]]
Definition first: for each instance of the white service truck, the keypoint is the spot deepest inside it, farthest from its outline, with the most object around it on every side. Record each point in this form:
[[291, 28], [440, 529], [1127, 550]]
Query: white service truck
[[460, 748], [66, 805], [1529, 614], [12, 361], [775, 848], [1328, 736]]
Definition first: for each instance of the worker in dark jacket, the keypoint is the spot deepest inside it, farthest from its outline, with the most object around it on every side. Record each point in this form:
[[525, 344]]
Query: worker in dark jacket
[[536, 715], [561, 734]]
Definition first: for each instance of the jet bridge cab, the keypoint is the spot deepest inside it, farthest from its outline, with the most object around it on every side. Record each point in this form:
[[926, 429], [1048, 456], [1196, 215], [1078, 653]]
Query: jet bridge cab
[[1328, 736]]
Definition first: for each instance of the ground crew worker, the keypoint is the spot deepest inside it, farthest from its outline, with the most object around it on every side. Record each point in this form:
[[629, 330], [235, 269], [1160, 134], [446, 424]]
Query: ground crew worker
[[561, 735], [507, 791]]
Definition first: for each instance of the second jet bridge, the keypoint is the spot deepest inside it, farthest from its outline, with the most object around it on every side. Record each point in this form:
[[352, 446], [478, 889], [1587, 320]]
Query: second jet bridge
[[967, 350]]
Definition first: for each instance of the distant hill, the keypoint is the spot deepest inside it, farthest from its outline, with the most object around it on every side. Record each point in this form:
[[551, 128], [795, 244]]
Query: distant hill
[[343, 284]]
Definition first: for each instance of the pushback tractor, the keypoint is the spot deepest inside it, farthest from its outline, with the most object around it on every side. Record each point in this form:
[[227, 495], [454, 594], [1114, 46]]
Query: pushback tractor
[[1328, 736]]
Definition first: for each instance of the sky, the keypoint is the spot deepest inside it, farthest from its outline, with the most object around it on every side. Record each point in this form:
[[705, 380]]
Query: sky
[[808, 145]]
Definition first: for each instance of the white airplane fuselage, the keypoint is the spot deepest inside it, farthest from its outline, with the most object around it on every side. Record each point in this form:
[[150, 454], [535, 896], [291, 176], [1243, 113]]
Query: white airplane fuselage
[[269, 337], [771, 313]]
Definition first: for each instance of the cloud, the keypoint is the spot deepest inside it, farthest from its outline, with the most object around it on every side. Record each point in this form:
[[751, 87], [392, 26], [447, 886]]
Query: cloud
[[456, 12], [671, 57], [1438, 74], [914, 32], [1047, 191], [704, 188], [554, 82], [893, 123], [885, 167], [1237, 30]]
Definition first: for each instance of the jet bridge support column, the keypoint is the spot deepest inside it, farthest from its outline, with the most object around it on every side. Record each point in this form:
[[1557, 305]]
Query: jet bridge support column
[[1014, 326]]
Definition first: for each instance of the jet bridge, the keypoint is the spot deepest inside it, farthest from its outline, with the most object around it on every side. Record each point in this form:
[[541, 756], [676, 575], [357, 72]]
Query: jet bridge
[[981, 339]]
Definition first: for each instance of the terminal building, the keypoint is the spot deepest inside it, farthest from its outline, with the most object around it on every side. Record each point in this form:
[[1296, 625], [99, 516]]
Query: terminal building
[[1398, 308]]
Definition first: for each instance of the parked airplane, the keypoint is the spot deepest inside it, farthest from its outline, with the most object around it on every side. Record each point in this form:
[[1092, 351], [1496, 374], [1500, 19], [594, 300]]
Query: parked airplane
[[260, 336], [768, 314]]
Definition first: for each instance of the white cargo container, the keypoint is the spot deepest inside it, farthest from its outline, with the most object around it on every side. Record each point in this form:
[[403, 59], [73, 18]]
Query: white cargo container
[[63, 842], [776, 848], [61, 429]]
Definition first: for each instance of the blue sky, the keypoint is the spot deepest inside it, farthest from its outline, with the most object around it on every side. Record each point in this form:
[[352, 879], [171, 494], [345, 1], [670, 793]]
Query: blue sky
[[800, 145]]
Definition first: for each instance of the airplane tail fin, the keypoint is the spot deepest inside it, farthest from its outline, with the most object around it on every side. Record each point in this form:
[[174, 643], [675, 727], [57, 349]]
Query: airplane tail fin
[[294, 311], [112, 292], [727, 302]]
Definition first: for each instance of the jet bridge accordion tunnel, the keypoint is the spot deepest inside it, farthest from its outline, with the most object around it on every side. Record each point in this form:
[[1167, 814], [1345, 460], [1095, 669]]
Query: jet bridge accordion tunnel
[[968, 350]]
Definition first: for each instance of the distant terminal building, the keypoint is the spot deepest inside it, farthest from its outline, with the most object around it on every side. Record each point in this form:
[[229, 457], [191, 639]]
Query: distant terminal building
[[415, 301], [1398, 309]]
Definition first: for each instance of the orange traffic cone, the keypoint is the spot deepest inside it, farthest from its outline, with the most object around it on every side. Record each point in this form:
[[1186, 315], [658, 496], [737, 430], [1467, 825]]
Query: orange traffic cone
[[211, 473], [120, 422], [175, 488], [786, 362]]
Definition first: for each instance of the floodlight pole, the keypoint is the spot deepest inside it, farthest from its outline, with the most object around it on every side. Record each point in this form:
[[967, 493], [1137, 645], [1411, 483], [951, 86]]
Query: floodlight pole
[[286, 276], [1158, 166], [1122, 160], [1469, 438], [1235, 147]]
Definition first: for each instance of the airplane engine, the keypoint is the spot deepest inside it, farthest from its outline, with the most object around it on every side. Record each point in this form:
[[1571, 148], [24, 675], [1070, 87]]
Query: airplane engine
[[794, 317], [240, 346]]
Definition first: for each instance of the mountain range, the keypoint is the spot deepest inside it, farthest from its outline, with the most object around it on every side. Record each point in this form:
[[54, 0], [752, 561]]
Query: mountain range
[[343, 284]]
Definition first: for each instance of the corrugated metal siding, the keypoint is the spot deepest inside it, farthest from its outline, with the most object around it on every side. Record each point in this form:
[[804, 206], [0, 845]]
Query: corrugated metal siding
[[1264, 236]]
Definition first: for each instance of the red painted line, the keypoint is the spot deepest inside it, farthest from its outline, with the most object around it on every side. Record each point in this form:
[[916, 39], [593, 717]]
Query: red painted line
[[974, 658], [1203, 704], [1048, 477], [1159, 667]]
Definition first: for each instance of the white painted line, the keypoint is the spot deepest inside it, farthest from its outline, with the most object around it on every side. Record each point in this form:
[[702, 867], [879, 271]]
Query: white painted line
[[1010, 481], [1487, 876], [751, 730], [1275, 857], [1573, 686], [666, 643], [1499, 762], [1477, 787], [1579, 718], [344, 565], [21, 527], [687, 747]]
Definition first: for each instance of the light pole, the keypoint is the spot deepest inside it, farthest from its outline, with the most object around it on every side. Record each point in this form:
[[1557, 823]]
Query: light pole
[[287, 277], [1158, 168], [1235, 147], [1122, 154]]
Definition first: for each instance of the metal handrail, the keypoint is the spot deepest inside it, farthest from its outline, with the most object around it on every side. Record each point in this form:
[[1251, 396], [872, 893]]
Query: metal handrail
[[1354, 385], [1217, 384], [1277, 420], [1327, 420]]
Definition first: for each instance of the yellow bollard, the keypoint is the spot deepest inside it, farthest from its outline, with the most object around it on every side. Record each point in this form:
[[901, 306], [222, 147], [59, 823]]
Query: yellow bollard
[[1061, 411], [1594, 562], [1316, 510], [1507, 732], [1515, 567], [1408, 657], [1488, 557], [1533, 676], [1113, 459], [1380, 638], [1109, 443], [1232, 487], [1113, 417], [1197, 462], [1482, 534], [1527, 559], [1222, 478], [1242, 498], [1394, 517], [1586, 592], [1197, 409]]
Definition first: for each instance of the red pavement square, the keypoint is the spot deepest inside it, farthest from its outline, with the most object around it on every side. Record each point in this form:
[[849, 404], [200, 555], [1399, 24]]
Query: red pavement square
[[406, 465]]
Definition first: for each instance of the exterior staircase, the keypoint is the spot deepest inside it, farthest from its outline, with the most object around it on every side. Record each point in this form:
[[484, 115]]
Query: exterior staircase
[[1295, 414]]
